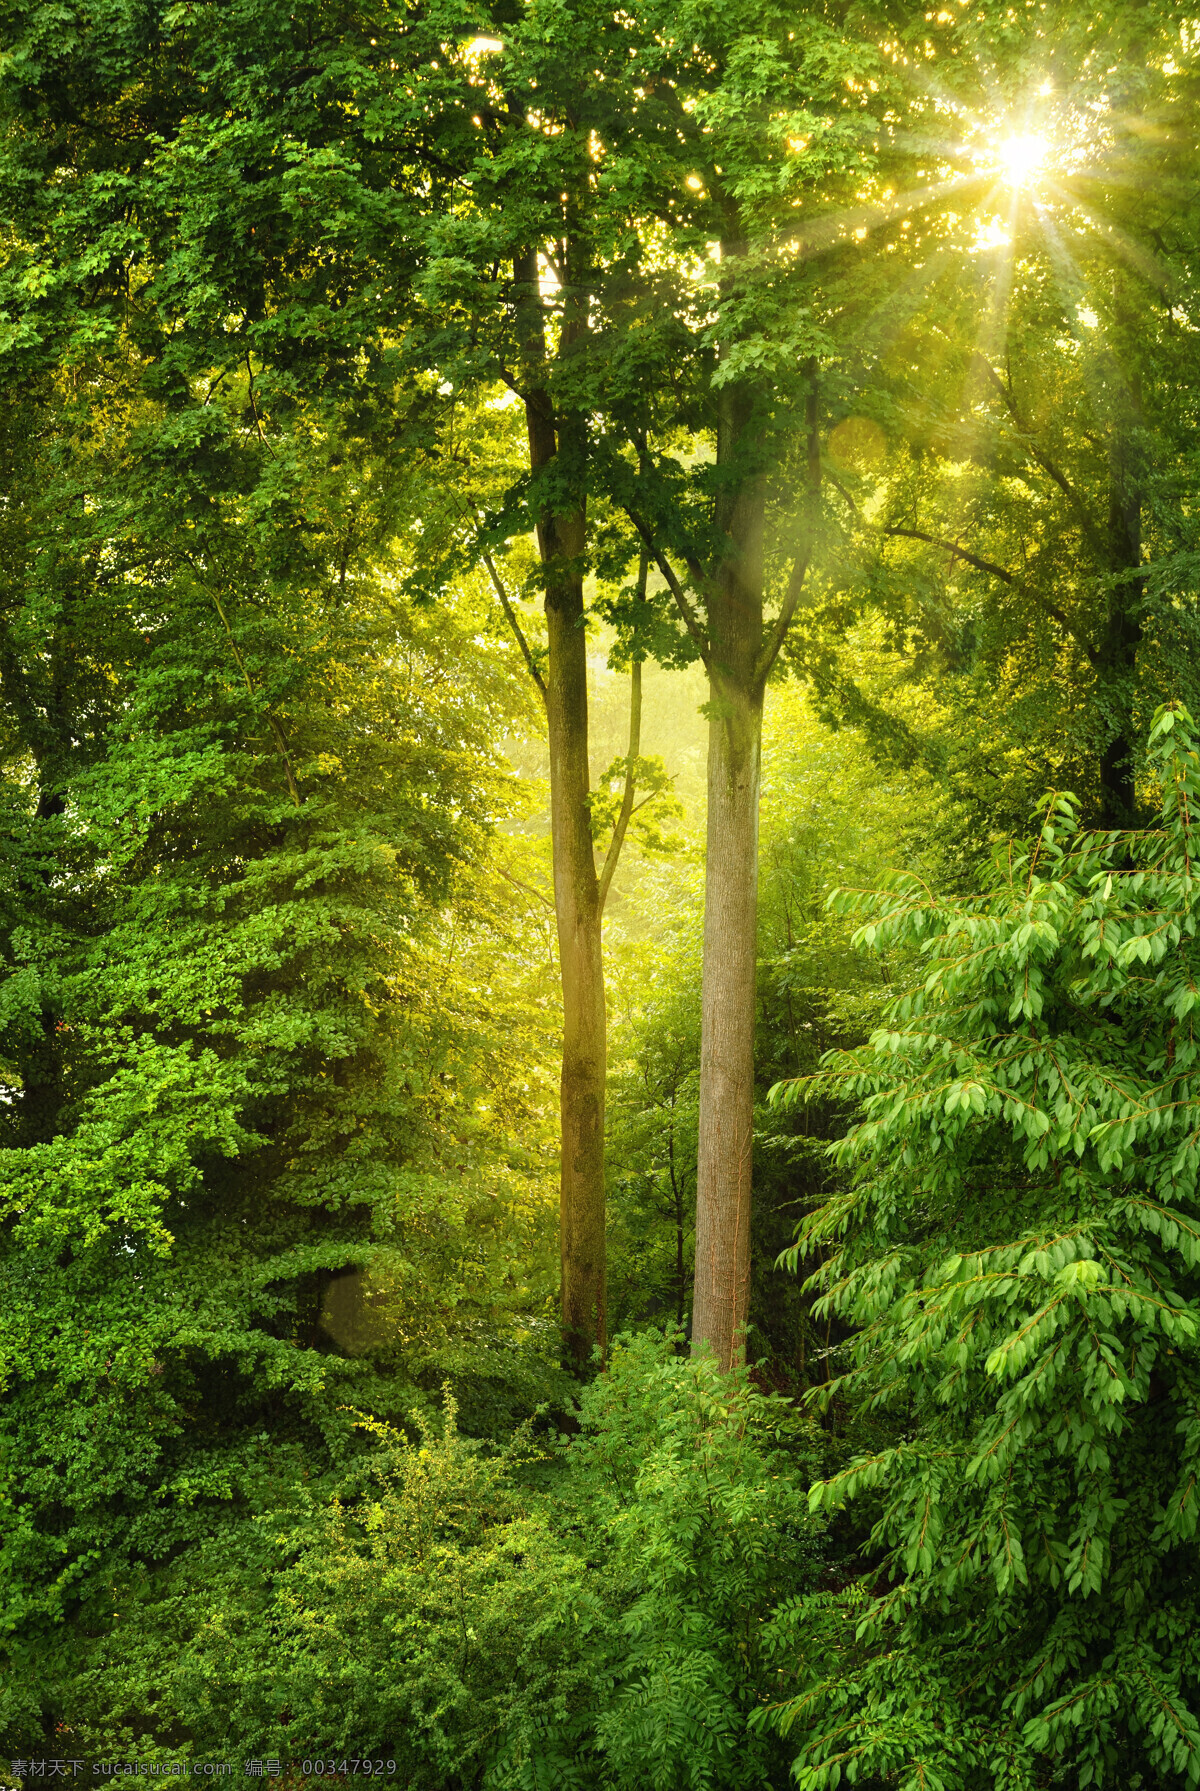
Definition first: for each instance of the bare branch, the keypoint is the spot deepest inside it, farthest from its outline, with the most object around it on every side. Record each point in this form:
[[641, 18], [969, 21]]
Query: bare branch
[[691, 619], [1091, 533], [513, 622], [621, 825], [812, 497], [277, 732], [527, 887], [1018, 584]]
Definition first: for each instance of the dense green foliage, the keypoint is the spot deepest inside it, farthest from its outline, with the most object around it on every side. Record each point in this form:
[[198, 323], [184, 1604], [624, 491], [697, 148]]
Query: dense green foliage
[[237, 800], [289, 1465], [1017, 1256], [606, 1624]]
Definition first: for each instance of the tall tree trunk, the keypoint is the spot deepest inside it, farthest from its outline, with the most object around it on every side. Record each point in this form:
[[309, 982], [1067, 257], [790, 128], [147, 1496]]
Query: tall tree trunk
[[561, 535], [724, 1161], [1122, 635], [677, 1205], [578, 912]]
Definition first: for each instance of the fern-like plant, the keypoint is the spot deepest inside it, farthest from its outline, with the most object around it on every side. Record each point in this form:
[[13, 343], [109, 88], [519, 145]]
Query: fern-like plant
[[1017, 1250]]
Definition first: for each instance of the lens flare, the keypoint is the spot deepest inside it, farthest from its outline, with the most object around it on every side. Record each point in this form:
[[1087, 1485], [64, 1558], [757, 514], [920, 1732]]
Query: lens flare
[[1021, 158]]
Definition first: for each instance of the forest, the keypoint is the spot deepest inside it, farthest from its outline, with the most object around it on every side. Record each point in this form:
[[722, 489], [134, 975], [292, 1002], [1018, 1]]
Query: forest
[[599, 957]]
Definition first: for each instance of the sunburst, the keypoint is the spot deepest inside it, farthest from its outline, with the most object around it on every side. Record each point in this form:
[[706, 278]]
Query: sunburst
[[1022, 158]]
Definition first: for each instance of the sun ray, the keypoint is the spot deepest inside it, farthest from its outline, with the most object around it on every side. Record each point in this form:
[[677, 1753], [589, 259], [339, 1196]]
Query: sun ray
[[1139, 258], [825, 230], [1022, 158]]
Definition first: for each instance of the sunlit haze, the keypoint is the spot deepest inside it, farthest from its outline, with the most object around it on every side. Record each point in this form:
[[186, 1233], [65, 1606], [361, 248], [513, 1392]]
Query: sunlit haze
[[1021, 157]]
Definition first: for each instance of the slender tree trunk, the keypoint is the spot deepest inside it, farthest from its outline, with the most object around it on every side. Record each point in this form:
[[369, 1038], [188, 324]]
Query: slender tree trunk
[[1122, 636], [561, 535], [738, 651], [42, 1093], [677, 1203], [578, 912], [728, 1000], [724, 1159]]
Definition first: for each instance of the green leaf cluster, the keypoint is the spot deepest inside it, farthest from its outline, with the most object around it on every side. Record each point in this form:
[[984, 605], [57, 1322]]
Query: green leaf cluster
[[265, 1142], [601, 1616], [1016, 1251]]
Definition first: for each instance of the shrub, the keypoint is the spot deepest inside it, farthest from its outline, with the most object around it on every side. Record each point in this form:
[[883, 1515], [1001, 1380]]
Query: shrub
[[1018, 1252], [596, 1616]]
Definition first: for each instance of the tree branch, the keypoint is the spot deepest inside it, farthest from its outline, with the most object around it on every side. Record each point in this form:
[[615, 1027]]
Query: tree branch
[[812, 497], [621, 824], [1091, 533], [691, 619], [1018, 584], [843, 493], [254, 407], [958, 553], [513, 622], [277, 732], [527, 887], [221, 377]]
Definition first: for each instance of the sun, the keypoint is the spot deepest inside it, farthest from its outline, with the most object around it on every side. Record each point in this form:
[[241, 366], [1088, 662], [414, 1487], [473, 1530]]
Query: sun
[[1021, 158]]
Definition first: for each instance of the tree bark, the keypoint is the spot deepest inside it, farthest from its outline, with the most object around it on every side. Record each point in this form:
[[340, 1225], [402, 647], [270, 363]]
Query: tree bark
[[561, 537], [1122, 635], [728, 1003], [677, 1204], [728, 998], [578, 913]]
